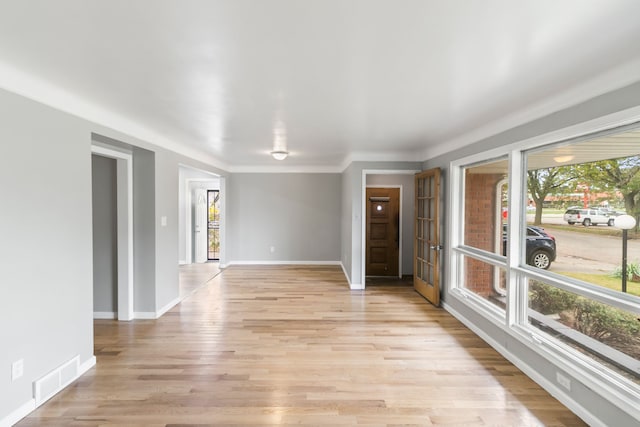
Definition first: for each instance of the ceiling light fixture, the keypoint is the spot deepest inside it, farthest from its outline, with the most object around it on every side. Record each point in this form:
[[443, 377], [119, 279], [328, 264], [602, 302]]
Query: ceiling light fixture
[[563, 159], [279, 154]]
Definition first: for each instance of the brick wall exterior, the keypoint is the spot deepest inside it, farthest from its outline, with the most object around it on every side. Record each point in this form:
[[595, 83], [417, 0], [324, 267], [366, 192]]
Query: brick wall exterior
[[479, 231]]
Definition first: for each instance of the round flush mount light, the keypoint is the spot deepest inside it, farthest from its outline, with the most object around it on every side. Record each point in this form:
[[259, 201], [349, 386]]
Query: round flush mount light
[[279, 155]]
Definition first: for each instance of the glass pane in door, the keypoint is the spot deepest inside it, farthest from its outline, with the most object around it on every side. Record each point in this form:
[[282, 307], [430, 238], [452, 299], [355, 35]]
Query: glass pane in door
[[213, 224]]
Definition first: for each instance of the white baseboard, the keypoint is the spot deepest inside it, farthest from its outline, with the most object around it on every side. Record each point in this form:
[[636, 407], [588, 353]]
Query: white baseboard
[[543, 382], [19, 413], [145, 315], [168, 307], [182, 262], [84, 367], [152, 315], [105, 315], [352, 286], [281, 263]]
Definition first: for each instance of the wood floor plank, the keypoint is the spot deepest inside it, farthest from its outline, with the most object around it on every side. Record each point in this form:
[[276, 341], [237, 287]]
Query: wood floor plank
[[292, 345]]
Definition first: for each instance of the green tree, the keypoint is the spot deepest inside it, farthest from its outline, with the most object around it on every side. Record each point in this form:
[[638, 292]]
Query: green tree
[[622, 175], [542, 182]]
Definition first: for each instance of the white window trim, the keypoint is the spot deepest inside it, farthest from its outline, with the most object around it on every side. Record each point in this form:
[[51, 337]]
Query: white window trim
[[586, 370]]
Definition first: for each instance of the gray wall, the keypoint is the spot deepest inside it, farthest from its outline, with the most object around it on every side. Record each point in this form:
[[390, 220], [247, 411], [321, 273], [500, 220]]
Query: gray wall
[[46, 309], [606, 104], [104, 208], [46, 250], [144, 227], [296, 213], [407, 203], [166, 248]]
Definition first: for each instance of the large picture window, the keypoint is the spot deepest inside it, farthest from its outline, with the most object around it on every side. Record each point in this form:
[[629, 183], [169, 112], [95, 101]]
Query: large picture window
[[535, 233]]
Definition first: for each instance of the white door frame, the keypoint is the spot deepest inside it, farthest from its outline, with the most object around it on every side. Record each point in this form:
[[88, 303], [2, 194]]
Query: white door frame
[[201, 226], [124, 189], [188, 233], [363, 216]]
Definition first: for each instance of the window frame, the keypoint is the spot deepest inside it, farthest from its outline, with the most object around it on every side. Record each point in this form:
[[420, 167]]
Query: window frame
[[515, 322]]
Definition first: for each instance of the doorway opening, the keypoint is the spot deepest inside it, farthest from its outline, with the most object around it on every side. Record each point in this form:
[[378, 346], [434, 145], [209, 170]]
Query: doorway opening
[[404, 181], [201, 239], [116, 237]]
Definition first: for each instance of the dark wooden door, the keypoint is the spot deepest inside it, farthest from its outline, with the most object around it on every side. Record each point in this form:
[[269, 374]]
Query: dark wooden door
[[383, 231], [426, 277]]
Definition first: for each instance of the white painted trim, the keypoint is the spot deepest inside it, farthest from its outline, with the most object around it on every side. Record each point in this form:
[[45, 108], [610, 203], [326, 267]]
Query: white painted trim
[[125, 237], [543, 382], [608, 122], [611, 80], [201, 226], [188, 229], [381, 156], [167, 307], [400, 223], [285, 169], [19, 413], [124, 183], [363, 213], [182, 262], [222, 206], [585, 371], [352, 286], [105, 315], [344, 271], [145, 315], [84, 367], [256, 262], [33, 87]]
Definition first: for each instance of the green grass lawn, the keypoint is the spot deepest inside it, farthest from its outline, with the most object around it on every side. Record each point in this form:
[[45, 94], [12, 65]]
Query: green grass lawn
[[606, 281]]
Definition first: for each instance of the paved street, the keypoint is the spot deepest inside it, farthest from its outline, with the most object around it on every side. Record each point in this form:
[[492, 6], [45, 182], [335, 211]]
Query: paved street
[[586, 252]]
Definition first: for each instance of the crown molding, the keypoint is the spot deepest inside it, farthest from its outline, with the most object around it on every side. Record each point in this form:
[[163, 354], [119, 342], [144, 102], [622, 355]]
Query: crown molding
[[615, 78], [43, 92]]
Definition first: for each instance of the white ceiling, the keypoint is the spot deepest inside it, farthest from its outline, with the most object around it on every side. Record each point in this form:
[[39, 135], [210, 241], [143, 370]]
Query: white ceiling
[[337, 80]]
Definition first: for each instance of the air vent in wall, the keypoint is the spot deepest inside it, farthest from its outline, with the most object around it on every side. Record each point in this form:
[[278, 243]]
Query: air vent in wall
[[56, 380]]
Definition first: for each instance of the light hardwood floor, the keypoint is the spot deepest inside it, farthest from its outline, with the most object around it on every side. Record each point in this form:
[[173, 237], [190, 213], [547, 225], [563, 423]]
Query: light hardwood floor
[[284, 345], [193, 276]]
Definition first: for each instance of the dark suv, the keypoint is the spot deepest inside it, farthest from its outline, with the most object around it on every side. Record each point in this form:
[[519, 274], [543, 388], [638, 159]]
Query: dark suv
[[541, 246]]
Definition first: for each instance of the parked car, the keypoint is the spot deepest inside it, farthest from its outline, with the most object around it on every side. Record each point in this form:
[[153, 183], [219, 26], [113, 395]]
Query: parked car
[[611, 212], [541, 246], [588, 216]]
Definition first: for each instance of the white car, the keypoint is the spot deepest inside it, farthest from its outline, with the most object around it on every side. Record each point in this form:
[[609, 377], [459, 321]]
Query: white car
[[587, 217]]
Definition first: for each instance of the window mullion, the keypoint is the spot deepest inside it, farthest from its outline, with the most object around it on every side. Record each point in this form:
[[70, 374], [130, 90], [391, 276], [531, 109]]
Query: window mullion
[[517, 299]]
